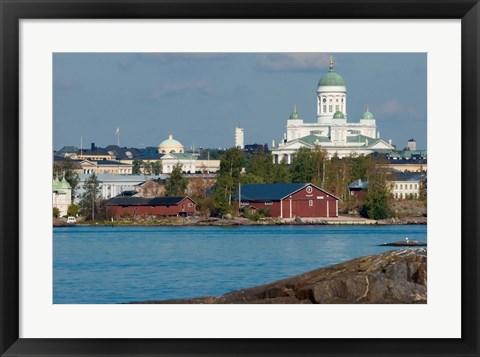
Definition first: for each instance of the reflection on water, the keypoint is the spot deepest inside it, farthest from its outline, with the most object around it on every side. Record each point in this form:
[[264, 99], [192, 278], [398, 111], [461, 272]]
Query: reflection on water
[[102, 265]]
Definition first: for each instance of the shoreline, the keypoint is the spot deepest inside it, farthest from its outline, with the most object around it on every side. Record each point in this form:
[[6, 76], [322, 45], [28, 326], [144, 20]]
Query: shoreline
[[202, 222]]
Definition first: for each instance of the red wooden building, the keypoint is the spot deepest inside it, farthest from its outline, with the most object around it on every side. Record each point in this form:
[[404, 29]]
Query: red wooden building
[[358, 189], [122, 206], [289, 200]]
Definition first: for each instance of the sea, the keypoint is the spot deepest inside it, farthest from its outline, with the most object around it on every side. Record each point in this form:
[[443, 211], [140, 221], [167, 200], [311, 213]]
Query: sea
[[111, 265]]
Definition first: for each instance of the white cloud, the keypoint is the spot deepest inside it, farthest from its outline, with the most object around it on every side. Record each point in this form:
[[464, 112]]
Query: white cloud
[[188, 56], [393, 107], [178, 88], [292, 61]]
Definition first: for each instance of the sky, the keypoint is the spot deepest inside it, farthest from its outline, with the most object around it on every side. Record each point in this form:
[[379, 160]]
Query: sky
[[200, 98]]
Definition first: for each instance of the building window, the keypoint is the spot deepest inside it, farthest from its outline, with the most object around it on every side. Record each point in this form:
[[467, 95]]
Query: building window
[[330, 108], [401, 187], [336, 108], [268, 203], [189, 204], [309, 189], [415, 186], [342, 100], [330, 100], [410, 186], [396, 187], [310, 203], [324, 108], [336, 100]]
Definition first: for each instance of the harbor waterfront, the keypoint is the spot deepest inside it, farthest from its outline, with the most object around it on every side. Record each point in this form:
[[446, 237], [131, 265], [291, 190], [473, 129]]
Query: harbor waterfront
[[105, 265]]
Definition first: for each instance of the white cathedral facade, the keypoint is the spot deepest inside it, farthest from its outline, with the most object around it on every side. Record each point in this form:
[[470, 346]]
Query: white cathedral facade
[[331, 131]]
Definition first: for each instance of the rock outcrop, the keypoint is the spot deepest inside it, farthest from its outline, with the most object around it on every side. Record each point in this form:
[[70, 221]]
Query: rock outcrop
[[394, 277]]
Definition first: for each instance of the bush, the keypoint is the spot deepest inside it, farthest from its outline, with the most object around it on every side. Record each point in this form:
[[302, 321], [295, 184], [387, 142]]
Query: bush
[[257, 214], [56, 212], [72, 210]]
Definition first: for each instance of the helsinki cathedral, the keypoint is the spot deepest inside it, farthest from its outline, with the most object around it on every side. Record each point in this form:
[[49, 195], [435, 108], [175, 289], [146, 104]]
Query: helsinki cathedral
[[331, 131]]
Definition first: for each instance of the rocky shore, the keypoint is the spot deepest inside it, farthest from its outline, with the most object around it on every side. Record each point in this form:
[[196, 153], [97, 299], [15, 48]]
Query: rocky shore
[[239, 221], [394, 277]]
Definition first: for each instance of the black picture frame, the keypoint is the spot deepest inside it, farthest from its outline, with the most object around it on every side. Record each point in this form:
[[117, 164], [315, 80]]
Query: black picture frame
[[11, 11]]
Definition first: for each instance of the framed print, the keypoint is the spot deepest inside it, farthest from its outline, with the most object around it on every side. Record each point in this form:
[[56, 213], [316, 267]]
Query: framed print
[[204, 69]]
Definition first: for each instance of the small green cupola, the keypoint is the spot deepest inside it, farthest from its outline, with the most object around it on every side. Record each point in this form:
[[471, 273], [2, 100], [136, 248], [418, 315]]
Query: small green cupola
[[294, 114], [367, 114], [331, 78], [338, 115]]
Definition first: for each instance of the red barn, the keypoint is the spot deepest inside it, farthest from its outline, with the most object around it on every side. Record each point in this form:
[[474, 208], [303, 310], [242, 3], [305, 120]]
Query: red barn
[[145, 206], [289, 200]]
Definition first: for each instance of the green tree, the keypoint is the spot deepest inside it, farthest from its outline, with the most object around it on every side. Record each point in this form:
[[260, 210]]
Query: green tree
[[281, 173], [320, 161], [222, 196], [147, 168], [176, 184], [422, 195], [227, 180], [56, 212], [156, 167], [90, 197], [137, 167], [301, 168], [376, 203], [261, 165], [72, 210], [251, 178]]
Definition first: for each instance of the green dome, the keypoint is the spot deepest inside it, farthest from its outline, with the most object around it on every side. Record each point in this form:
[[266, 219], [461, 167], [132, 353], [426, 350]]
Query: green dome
[[367, 115], [171, 143], [294, 114], [61, 185], [338, 115], [331, 78]]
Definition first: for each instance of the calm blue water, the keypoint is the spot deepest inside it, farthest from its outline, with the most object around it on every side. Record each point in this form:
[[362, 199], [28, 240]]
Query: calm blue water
[[103, 265]]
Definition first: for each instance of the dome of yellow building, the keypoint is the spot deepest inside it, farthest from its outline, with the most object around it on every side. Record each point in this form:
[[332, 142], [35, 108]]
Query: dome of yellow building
[[170, 146]]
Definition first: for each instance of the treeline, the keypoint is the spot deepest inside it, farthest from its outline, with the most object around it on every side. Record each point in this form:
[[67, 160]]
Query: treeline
[[333, 175]]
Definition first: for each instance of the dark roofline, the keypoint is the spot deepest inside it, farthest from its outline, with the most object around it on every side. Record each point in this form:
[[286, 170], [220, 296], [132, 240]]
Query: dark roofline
[[291, 192], [147, 201], [307, 184]]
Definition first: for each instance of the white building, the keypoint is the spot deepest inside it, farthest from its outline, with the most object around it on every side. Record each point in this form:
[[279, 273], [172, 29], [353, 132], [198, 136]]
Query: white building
[[406, 184], [331, 131], [62, 196], [112, 185], [240, 138]]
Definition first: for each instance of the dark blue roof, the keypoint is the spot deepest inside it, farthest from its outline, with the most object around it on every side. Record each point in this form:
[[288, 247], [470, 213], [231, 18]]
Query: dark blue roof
[[144, 201], [149, 153], [358, 184], [407, 176], [109, 162], [268, 191]]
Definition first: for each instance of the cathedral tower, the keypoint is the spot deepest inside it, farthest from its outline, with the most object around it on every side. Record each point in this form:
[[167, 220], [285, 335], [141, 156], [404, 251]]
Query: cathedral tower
[[331, 96]]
